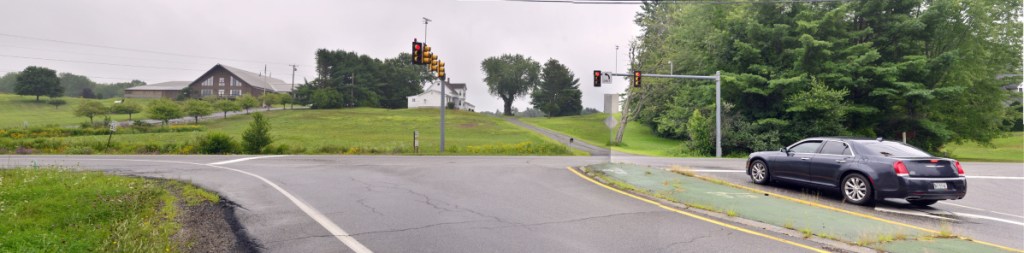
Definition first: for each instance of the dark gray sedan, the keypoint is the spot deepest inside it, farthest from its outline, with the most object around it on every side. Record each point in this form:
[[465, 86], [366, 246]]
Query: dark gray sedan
[[863, 170]]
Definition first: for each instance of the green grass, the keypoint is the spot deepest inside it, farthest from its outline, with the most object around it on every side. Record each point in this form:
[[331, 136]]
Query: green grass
[[361, 129], [57, 210], [1006, 149], [638, 138], [20, 109]]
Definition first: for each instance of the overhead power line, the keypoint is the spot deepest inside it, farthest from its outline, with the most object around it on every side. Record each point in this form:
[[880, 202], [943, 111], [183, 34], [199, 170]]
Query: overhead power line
[[137, 50], [635, 2], [92, 62]]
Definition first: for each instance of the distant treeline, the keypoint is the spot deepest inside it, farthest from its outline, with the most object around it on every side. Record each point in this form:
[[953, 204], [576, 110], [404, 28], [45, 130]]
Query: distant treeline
[[76, 86]]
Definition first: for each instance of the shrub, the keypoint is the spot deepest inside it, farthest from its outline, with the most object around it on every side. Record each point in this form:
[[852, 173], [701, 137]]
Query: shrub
[[216, 143], [257, 136]]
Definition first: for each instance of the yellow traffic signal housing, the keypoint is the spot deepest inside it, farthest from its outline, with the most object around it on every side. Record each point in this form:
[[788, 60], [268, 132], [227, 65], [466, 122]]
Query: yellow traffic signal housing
[[433, 66], [427, 55], [636, 79]]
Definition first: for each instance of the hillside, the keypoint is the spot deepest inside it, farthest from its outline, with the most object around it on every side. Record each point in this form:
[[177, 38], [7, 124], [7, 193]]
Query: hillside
[[638, 139], [16, 110]]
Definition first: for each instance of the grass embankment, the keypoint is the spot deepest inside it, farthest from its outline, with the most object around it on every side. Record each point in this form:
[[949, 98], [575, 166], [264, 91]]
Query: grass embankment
[[56, 210], [638, 138], [801, 217], [16, 110], [357, 131], [1005, 149]]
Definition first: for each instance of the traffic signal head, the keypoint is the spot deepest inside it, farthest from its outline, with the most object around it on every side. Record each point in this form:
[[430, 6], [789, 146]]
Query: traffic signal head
[[636, 79], [427, 56], [434, 65], [417, 52], [597, 78]]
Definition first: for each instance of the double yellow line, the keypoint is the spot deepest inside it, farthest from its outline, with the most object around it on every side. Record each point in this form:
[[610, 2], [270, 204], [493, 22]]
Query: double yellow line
[[730, 226]]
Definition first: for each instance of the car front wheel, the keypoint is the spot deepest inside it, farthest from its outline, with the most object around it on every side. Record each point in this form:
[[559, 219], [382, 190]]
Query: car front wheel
[[857, 189], [759, 172]]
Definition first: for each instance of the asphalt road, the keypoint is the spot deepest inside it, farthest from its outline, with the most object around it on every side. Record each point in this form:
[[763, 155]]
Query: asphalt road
[[564, 139], [430, 204], [992, 211]]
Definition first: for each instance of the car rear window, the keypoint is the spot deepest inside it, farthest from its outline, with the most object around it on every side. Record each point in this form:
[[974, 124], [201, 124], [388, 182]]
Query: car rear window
[[894, 149]]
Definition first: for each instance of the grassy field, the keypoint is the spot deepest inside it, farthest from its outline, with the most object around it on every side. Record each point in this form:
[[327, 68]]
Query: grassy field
[[371, 130], [16, 110], [638, 138], [1005, 149], [55, 210]]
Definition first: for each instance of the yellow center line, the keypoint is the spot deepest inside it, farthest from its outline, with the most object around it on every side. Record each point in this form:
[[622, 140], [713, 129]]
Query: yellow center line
[[730, 226]]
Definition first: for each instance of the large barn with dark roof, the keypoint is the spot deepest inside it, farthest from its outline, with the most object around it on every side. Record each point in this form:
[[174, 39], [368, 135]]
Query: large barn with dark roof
[[220, 81]]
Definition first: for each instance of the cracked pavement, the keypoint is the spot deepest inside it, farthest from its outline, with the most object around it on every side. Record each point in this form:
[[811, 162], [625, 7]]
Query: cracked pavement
[[434, 204]]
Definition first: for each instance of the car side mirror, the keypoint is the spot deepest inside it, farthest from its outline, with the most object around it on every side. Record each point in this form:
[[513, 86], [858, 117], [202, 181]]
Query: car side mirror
[[784, 150]]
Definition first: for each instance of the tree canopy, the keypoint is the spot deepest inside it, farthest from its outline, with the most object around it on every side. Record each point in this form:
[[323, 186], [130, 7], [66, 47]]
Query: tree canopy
[[359, 80], [558, 93], [866, 68], [38, 81], [510, 77]]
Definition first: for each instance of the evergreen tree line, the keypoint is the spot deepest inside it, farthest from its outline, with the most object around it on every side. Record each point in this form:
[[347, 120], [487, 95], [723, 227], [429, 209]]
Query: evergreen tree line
[[871, 68]]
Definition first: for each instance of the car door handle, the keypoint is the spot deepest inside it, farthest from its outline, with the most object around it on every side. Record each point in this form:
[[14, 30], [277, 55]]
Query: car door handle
[[805, 158]]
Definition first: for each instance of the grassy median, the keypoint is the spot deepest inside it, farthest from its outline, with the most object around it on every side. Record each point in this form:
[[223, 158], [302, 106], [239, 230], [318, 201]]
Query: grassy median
[[59, 210]]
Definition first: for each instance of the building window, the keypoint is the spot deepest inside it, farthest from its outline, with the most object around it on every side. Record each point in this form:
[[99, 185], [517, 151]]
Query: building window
[[208, 82], [206, 92], [235, 82], [414, 100], [221, 81], [220, 93], [236, 92]]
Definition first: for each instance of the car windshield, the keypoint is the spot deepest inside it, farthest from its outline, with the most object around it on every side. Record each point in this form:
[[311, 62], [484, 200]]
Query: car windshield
[[894, 149]]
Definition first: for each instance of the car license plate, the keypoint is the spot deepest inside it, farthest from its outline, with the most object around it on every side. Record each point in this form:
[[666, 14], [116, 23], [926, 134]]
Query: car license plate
[[939, 186]]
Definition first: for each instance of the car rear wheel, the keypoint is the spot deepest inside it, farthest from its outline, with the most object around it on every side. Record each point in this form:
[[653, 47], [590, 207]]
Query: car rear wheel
[[759, 172], [857, 189], [922, 202]]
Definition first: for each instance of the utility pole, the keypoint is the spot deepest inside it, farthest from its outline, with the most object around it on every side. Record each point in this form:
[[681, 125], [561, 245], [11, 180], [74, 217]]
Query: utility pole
[[443, 107], [616, 58], [294, 68], [425, 22]]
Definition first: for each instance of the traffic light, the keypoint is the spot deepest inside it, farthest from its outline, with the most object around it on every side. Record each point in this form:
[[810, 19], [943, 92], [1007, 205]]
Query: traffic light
[[597, 78], [427, 57], [417, 52], [636, 79], [440, 70], [434, 65]]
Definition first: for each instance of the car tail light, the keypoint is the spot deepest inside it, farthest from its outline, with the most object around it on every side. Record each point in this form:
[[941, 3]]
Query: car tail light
[[900, 169], [959, 169]]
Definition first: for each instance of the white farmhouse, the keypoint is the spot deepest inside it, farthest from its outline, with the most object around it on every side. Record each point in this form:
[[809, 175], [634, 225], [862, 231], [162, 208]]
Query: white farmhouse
[[455, 93]]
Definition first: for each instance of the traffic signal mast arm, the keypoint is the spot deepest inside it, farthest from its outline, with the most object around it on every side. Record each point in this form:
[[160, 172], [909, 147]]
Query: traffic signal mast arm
[[662, 75]]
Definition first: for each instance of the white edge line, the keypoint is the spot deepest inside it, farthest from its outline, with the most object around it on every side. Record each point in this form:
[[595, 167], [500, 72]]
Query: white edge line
[[989, 218], [917, 213], [1022, 217], [244, 159], [996, 177], [338, 233], [972, 208]]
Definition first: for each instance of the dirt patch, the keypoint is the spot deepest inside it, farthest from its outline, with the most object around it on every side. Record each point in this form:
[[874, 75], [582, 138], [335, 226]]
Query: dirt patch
[[211, 227]]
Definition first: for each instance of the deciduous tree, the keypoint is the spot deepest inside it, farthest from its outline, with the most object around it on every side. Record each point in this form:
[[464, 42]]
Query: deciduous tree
[[510, 77]]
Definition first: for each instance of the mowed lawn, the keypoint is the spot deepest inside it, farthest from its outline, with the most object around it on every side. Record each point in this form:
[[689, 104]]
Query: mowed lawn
[[360, 128], [638, 138], [1006, 149], [16, 110]]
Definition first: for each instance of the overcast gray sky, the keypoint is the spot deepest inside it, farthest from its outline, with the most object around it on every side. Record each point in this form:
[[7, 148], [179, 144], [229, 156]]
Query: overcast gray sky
[[253, 33]]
